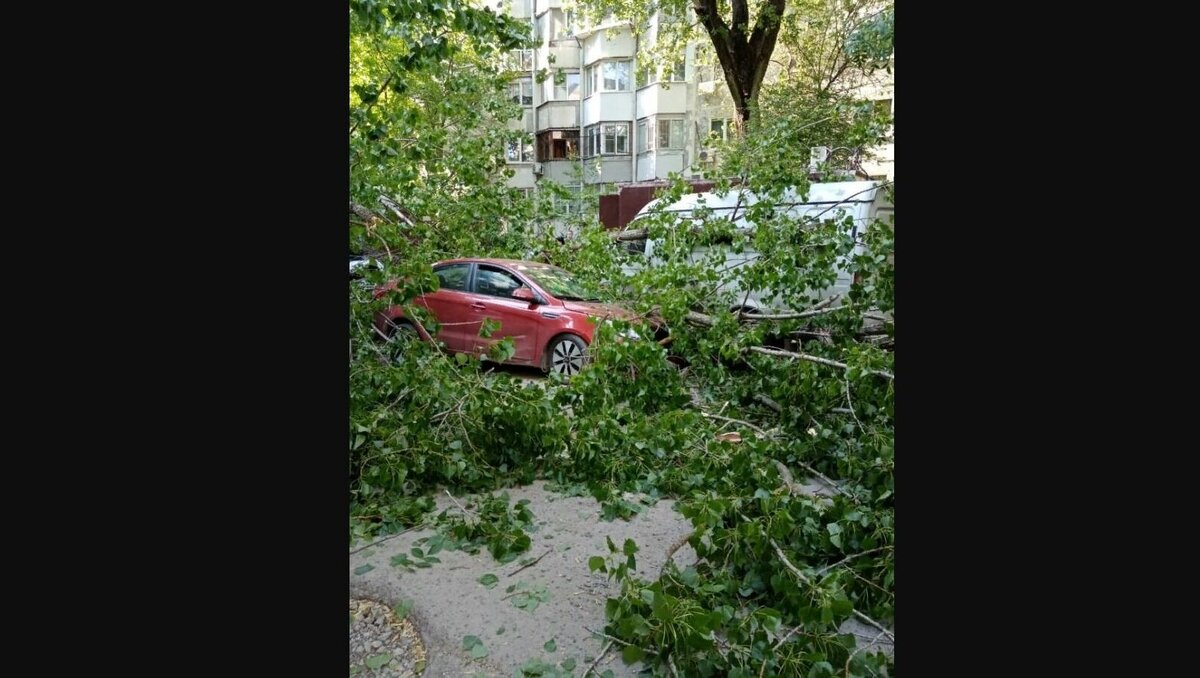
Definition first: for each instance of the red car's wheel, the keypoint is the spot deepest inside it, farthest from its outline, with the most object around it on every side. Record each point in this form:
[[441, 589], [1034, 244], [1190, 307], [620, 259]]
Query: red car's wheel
[[566, 355]]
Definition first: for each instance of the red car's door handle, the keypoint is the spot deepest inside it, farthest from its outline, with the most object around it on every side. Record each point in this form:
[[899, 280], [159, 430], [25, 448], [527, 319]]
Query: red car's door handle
[[477, 306]]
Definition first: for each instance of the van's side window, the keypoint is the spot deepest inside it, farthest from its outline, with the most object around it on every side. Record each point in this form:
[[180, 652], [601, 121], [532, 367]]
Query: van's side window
[[636, 246]]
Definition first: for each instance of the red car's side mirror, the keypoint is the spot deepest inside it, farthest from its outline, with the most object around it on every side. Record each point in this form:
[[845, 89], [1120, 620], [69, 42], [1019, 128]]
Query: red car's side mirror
[[525, 294]]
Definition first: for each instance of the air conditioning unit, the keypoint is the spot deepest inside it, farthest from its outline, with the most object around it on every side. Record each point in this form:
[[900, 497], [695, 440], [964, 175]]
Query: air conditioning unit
[[537, 168]]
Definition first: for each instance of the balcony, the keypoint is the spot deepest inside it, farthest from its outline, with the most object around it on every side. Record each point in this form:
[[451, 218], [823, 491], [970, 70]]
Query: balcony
[[558, 115], [607, 106], [662, 98], [565, 54], [612, 43]]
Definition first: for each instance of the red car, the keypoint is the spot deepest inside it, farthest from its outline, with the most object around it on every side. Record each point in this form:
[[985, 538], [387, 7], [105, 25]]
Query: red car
[[542, 307]]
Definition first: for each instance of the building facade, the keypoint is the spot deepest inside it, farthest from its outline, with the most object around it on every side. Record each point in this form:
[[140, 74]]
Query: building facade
[[587, 97]]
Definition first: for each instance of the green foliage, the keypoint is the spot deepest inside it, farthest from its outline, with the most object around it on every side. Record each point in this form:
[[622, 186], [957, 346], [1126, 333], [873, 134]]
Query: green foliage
[[529, 597], [475, 646], [403, 608], [428, 131], [497, 526]]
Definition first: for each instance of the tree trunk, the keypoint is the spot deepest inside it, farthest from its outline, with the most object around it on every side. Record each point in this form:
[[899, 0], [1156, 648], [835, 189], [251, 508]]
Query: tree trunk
[[744, 55]]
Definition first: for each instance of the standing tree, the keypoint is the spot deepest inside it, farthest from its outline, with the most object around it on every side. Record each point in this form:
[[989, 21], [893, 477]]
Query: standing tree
[[744, 53]]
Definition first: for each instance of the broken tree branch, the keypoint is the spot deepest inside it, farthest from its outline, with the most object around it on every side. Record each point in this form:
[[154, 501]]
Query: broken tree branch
[[778, 409], [747, 424], [461, 507], [780, 353], [796, 489], [390, 536], [365, 214], [527, 565], [390, 204], [801, 576], [598, 658], [617, 640], [825, 569], [675, 547]]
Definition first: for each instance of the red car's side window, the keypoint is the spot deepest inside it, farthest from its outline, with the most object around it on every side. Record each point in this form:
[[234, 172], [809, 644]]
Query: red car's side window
[[453, 277], [495, 282]]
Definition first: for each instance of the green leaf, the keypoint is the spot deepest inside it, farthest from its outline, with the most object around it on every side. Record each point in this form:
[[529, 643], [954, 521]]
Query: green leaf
[[500, 631], [489, 580], [568, 664], [550, 645], [403, 608], [479, 651], [630, 547], [417, 553], [820, 669], [470, 642], [632, 653], [596, 563], [363, 569], [378, 661]]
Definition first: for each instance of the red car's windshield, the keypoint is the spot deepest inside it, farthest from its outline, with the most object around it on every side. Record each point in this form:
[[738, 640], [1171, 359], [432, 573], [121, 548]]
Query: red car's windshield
[[559, 283]]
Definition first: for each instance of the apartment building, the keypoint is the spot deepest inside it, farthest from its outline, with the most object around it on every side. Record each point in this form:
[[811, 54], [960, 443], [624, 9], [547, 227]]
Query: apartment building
[[590, 93]]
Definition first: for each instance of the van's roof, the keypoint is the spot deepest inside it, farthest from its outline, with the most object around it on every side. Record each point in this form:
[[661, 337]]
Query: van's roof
[[818, 194]]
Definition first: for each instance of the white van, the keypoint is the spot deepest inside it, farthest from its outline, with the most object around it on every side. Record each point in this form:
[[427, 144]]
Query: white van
[[863, 201]]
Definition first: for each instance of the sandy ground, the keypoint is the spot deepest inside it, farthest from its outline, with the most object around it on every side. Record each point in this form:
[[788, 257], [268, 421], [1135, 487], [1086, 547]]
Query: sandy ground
[[449, 603]]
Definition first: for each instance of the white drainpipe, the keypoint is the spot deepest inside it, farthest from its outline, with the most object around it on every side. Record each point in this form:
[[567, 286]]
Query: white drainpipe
[[633, 123]]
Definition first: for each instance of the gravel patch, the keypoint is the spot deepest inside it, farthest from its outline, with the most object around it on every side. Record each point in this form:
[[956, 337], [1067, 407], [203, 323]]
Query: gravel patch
[[382, 644]]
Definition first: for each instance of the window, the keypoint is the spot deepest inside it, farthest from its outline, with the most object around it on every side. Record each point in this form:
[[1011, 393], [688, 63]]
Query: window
[[495, 282], [453, 276], [569, 89], [647, 75], [661, 133], [558, 144], [521, 91], [609, 76], [676, 72], [567, 205], [591, 141], [609, 138], [616, 76], [670, 133], [616, 138], [568, 23], [519, 60], [720, 128], [519, 150]]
